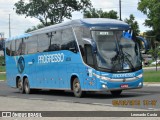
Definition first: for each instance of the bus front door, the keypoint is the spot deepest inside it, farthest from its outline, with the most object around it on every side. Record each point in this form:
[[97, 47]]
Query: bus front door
[[31, 72]]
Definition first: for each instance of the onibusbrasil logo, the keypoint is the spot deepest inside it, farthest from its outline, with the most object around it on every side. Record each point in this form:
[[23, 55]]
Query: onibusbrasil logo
[[21, 64]]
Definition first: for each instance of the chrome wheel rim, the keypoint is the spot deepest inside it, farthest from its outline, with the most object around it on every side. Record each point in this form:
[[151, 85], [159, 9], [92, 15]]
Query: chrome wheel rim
[[77, 87]]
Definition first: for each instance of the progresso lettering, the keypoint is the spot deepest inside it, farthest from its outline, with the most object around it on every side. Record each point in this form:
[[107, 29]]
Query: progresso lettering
[[51, 58], [123, 75]]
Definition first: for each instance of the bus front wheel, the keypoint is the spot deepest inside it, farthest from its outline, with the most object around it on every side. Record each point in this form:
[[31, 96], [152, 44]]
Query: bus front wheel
[[77, 88], [27, 86], [116, 93], [20, 86]]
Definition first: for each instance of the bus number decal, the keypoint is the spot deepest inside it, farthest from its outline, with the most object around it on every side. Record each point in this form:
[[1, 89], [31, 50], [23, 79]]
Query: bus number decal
[[51, 58]]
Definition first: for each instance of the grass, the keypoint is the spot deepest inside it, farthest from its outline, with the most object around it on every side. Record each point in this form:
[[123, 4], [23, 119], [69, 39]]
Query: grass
[[2, 68], [1, 59], [2, 76], [151, 76]]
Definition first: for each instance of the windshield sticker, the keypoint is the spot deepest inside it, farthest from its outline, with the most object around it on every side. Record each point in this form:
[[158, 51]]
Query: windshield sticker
[[127, 35], [90, 72]]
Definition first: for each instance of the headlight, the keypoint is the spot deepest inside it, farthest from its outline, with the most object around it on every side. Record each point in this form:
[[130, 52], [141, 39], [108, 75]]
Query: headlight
[[140, 76]]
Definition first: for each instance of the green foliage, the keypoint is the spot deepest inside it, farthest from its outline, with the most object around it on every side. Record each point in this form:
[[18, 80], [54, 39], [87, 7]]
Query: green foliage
[[2, 68], [133, 23], [34, 28], [151, 9], [1, 59], [94, 13], [155, 53], [149, 33], [2, 76], [50, 12]]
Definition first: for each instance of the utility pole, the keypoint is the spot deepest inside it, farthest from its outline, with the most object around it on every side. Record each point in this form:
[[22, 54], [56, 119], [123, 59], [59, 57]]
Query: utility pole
[[120, 10], [156, 53], [9, 26]]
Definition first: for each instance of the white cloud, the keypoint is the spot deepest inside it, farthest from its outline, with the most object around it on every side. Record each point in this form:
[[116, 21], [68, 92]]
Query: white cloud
[[19, 23]]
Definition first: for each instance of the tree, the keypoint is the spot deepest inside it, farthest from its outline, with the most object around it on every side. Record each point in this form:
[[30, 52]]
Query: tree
[[151, 9], [133, 23], [50, 12], [155, 53], [94, 13], [34, 28]]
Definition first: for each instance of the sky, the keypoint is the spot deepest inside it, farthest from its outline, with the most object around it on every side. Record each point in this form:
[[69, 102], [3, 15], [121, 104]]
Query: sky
[[19, 24]]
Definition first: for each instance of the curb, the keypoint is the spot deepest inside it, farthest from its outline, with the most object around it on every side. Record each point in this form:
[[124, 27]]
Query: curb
[[151, 83], [2, 72], [150, 68]]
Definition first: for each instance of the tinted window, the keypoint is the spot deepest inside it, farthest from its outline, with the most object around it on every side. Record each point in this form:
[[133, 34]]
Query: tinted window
[[86, 32], [55, 39], [82, 33], [89, 58], [23, 46], [8, 48], [31, 45], [13, 48], [43, 43], [68, 40], [18, 47]]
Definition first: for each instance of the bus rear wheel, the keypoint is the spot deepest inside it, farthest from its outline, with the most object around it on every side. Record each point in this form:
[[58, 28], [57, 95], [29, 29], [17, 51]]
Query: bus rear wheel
[[20, 86], [27, 86], [116, 93], [77, 88]]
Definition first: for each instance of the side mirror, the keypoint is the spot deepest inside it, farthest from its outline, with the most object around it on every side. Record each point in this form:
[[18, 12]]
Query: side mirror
[[87, 40], [144, 44]]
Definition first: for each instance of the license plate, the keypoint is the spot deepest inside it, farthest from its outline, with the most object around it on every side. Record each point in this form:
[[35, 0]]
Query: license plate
[[124, 86]]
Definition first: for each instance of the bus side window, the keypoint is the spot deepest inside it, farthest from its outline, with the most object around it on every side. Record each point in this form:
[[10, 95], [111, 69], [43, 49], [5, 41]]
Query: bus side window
[[43, 42], [68, 41], [31, 45], [18, 47], [23, 47], [89, 55], [55, 40], [8, 48], [81, 49], [13, 48]]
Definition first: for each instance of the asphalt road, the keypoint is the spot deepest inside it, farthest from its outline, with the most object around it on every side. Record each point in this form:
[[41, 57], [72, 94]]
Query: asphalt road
[[147, 98]]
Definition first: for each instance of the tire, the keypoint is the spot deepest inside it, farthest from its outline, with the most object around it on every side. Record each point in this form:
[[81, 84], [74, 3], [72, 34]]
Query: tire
[[77, 88], [116, 93], [20, 86], [27, 86]]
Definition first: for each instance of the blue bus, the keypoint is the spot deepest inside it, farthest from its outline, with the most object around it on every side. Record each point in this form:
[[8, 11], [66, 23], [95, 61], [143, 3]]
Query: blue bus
[[79, 55]]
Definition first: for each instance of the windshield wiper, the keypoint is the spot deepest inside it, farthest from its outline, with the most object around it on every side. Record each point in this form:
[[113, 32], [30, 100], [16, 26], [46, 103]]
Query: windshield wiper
[[125, 57], [117, 62], [121, 58]]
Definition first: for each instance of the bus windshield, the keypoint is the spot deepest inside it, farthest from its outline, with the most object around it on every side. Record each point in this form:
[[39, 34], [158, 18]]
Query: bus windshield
[[115, 52]]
